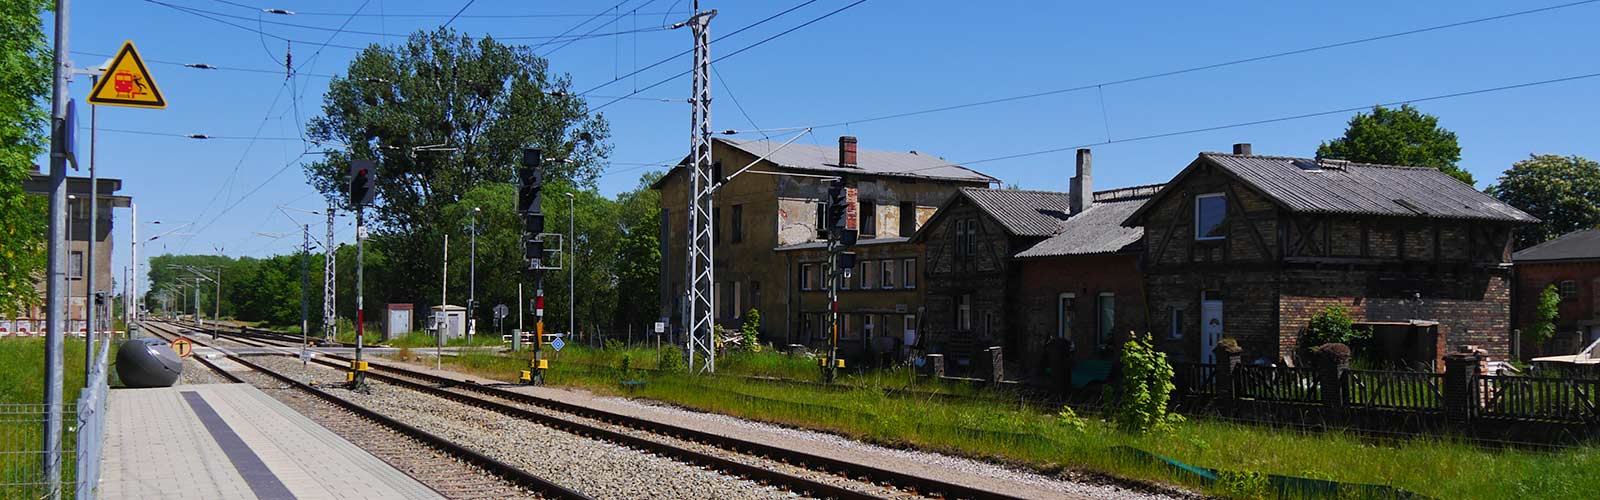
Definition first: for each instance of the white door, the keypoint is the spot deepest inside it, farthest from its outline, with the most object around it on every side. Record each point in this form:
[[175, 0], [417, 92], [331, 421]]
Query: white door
[[1210, 329]]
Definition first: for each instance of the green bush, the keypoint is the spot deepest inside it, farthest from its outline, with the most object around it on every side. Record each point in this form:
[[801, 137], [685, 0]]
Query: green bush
[[1145, 389], [1333, 326], [751, 329], [671, 359], [1544, 316], [1070, 419], [1242, 484]]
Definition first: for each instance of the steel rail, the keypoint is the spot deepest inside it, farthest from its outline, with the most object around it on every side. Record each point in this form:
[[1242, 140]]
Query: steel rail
[[503, 470], [911, 482]]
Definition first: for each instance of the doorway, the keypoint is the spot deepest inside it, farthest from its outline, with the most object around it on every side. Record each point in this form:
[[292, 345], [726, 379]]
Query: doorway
[[1210, 325]]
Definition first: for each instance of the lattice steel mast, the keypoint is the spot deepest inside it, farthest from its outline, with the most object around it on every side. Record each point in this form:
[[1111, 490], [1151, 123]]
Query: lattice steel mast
[[329, 312], [700, 344]]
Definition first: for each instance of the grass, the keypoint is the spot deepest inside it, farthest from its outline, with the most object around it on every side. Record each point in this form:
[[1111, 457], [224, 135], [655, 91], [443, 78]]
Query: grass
[[22, 373], [420, 339], [1018, 433]]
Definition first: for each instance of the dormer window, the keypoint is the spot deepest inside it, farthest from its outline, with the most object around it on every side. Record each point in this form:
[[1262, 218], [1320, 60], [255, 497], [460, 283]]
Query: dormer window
[[1210, 216]]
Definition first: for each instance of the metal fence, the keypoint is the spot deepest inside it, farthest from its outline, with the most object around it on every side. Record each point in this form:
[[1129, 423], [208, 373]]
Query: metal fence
[[22, 454]]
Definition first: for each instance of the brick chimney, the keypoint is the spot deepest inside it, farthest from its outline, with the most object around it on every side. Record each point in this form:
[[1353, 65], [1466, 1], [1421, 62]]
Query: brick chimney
[[1082, 184], [847, 151], [1242, 148]]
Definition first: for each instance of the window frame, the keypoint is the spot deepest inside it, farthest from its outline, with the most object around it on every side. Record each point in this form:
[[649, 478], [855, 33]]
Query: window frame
[[805, 277], [1567, 289], [867, 215], [75, 264], [886, 274], [908, 214], [1221, 223], [822, 220], [736, 223], [964, 312], [1103, 325], [867, 275], [1175, 322], [1066, 309], [908, 273]]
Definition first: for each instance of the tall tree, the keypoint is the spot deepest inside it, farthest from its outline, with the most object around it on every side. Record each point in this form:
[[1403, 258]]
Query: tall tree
[[1402, 136], [443, 113], [25, 67], [639, 253], [1562, 191]]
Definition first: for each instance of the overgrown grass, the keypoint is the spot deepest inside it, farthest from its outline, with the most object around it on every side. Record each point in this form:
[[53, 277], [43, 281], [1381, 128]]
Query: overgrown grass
[[426, 339], [1019, 433], [21, 433]]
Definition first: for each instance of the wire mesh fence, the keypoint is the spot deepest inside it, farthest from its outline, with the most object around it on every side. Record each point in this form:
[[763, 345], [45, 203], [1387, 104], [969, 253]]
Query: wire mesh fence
[[22, 454]]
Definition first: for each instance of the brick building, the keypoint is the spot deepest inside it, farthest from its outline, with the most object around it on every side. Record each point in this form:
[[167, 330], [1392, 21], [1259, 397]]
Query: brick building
[[1249, 247], [78, 241], [769, 244], [1572, 264], [1037, 273]]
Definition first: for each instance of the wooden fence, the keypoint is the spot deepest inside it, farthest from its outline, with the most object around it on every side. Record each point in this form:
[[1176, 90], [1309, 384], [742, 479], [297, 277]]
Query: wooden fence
[[1394, 390], [1270, 383], [1539, 398]]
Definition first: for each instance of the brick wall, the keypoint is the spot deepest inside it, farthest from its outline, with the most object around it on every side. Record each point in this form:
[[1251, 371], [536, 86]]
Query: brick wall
[[1572, 314], [984, 276], [1040, 285], [1472, 307]]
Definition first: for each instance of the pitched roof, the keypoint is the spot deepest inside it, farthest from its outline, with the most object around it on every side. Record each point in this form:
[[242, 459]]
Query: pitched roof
[[1099, 229], [1023, 213], [868, 161], [1576, 245], [1305, 185]]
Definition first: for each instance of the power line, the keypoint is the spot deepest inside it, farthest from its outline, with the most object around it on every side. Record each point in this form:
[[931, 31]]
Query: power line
[[686, 52], [745, 48], [438, 15], [602, 25], [579, 25], [458, 14], [1193, 69], [257, 31], [1269, 120]]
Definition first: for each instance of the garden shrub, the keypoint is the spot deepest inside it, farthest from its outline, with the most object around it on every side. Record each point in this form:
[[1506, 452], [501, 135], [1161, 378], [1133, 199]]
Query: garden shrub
[[1242, 484], [1544, 315], [1070, 419], [750, 330], [1145, 389], [1333, 326], [671, 359]]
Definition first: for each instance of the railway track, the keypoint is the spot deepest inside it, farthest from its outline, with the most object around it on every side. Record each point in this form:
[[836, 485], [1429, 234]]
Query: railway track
[[770, 466], [460, 474]]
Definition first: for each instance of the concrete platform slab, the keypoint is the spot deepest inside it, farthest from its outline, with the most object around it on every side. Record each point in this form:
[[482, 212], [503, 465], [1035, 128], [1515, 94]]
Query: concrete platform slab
[[234, 441]]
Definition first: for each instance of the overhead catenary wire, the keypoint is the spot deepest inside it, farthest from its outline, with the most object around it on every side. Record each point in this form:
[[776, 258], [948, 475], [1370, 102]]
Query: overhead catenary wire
[[259, 21], [742, 50], [579, 25], [1203, 67], [438, 15]]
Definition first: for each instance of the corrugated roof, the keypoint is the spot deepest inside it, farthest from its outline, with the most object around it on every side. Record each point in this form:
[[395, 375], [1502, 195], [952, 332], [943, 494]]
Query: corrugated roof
[[1023, 213], [1099, 229], [868, 161], [1333, 186], [817, 245], [1577, 245]]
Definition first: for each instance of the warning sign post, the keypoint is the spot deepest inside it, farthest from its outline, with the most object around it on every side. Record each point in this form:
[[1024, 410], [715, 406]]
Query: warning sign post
[[127, 82]]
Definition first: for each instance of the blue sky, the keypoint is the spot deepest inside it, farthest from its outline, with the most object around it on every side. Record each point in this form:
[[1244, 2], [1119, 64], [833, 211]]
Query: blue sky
[[877, 58]]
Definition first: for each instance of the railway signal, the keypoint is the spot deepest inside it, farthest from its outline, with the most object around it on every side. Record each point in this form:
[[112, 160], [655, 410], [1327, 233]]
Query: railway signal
[[362, 174]]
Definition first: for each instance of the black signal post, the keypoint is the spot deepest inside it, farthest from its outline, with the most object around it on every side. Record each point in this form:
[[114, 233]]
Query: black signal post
[[363, 173]]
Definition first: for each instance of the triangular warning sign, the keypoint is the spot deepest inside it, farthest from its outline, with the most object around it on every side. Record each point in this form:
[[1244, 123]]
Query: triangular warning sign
[[127, 83]]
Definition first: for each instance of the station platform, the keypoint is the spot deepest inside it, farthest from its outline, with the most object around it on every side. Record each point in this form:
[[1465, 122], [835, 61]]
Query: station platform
[[233, 441]]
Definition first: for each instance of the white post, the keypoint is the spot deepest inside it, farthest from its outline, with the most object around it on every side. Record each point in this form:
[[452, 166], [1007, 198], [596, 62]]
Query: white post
[[442, 319]]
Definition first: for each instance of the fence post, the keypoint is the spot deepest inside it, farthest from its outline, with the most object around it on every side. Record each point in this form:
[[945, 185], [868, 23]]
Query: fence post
[[1229, 356], [936, 366], [1460, 384], [1332, 360], [997, 366]]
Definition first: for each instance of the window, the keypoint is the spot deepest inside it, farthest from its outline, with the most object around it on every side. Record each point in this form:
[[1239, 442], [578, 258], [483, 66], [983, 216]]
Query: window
[[908, 273], [844, 281], [716, 225], [738, 223], [887, 268], [805, 276], [866, 326], [967, 237], [1107, 318], [961, 237], [1210, 214], [755, 294], [988, 324], [909, 323], [1569, 289], [75, 265], [1175, 323], [867, 270], [964, 312], [738, 301], [908, 218], [869, 219], [845, 332], [1064, 312], [822, 221]]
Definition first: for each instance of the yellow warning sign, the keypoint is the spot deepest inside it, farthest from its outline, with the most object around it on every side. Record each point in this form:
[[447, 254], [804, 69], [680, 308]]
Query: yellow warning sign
[[127, 83], [183, 347]]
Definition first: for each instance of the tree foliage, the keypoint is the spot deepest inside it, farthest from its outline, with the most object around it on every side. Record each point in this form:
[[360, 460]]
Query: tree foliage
[[1544, 315], [445, 114], [25, 65], [1562, 191], [1401, 136]]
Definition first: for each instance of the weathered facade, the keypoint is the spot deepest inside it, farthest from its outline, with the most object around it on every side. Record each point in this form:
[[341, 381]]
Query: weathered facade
[[78, 241], [1570, 263], [1043, 275], [767, 230], [1250, 247]]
